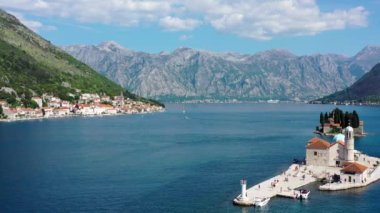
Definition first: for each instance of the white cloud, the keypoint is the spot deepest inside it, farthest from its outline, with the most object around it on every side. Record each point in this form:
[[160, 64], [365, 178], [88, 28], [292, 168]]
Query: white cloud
[[255, 19], [31, 24], [267, 19], [176, 24]]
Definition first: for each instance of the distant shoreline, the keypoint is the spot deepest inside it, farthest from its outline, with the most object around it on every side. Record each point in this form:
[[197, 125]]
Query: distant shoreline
[[74, 115]]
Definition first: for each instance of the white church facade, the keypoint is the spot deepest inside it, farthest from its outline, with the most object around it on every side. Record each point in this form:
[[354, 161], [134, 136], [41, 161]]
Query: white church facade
[[340, 154]]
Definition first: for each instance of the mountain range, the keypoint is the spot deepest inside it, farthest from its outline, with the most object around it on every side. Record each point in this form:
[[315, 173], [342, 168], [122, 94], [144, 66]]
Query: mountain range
[[365, 89], [31, 65], [187, 73]]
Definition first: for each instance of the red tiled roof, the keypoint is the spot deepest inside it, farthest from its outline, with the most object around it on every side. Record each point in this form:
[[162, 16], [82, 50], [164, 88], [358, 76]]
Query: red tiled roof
[[11, 110], [317, 143], [84, 105], [332, 124], [338, 142], [354, 168], [335, 124]]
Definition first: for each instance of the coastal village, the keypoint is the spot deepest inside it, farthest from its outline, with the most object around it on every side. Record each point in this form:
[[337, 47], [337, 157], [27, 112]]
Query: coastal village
[[336, 165], [50, 106]]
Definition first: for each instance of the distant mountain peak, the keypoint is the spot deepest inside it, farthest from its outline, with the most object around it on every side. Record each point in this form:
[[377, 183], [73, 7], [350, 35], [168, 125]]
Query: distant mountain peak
[[371, 47], [367, 51], [111, 46], [184, 49], [275, 73], [276, 53], [365, 89]]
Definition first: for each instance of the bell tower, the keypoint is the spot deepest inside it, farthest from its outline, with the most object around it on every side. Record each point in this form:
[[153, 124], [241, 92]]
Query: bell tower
[[349, 141]]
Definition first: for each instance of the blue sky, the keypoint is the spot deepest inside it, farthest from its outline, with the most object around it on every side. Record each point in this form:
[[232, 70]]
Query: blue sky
[[245, 26]]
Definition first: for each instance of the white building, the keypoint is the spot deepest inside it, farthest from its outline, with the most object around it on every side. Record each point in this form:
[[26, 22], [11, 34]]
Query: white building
[[65, 104], [321, 153], [86, 109], [354, 173], [339, 154], [48, 112]]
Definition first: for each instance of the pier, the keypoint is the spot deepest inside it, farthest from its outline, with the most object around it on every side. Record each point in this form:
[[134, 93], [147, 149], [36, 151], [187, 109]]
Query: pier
[[283, 185]]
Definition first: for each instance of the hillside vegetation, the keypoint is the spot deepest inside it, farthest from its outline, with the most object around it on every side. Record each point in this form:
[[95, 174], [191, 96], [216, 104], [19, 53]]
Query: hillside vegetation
[[31, 65], [366, 89]]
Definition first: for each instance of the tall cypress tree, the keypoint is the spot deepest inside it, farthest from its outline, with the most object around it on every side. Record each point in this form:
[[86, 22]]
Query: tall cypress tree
[[346, 119], [337, 118], [326, 117], [343, 123], [321, 119], [341, 115], [355, 118]]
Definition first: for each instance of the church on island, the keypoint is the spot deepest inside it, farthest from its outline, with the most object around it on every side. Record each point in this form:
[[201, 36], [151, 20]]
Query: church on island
[[337, 164], [345, 166]]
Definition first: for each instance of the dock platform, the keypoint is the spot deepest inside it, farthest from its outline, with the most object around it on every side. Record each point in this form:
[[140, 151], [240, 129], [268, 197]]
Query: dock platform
[[283, 185]]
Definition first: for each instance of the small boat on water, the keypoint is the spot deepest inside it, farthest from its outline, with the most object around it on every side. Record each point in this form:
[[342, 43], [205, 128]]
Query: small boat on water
[[303, 194], [273, 101], [260, 202]]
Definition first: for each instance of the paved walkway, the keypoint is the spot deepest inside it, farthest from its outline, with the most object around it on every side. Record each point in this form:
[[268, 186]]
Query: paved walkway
[[281, 185]]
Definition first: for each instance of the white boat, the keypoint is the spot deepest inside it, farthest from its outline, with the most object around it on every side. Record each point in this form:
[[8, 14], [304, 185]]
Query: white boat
[[303, 194], [273, 101], [260, 202], [243, 201]]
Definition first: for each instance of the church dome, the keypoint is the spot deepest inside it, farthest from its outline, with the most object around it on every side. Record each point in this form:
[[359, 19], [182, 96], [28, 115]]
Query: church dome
[[339, 137], [349, 129]]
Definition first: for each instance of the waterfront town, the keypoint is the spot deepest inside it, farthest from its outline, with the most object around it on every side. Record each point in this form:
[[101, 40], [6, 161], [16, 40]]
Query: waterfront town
[[88, 104]]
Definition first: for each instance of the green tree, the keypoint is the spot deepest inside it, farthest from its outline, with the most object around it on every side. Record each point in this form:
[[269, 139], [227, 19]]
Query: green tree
[[336, 115], [347, 119], [1, 110], [326, 117], [343, 123], [321, 119], [341, 115], [29, 103], [355, 118]]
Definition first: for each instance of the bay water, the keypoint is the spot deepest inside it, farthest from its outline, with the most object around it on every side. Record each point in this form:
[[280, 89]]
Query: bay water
[[173, 161]]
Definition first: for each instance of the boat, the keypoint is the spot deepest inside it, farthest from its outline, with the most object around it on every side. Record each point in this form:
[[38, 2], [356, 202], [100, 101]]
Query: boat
[[303, 194], [243, 201], [273, 101], [260, 202]]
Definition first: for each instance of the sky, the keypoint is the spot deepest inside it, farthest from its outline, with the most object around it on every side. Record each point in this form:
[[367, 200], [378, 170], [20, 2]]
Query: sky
[[303, 27]]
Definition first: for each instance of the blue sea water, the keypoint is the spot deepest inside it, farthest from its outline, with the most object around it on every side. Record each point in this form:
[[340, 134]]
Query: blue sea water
[[169, 162]]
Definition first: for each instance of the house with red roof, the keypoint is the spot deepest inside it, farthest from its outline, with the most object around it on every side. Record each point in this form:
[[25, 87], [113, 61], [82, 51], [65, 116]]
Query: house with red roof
[[354, 172], [320, 152]]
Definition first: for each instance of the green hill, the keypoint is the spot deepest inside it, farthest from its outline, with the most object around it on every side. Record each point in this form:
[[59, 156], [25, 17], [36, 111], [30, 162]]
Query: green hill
[[366, 88], [31, 65]]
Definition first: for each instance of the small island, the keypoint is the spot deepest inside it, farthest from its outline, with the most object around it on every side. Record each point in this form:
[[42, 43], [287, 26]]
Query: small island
[[332, 123], [337, 166]]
